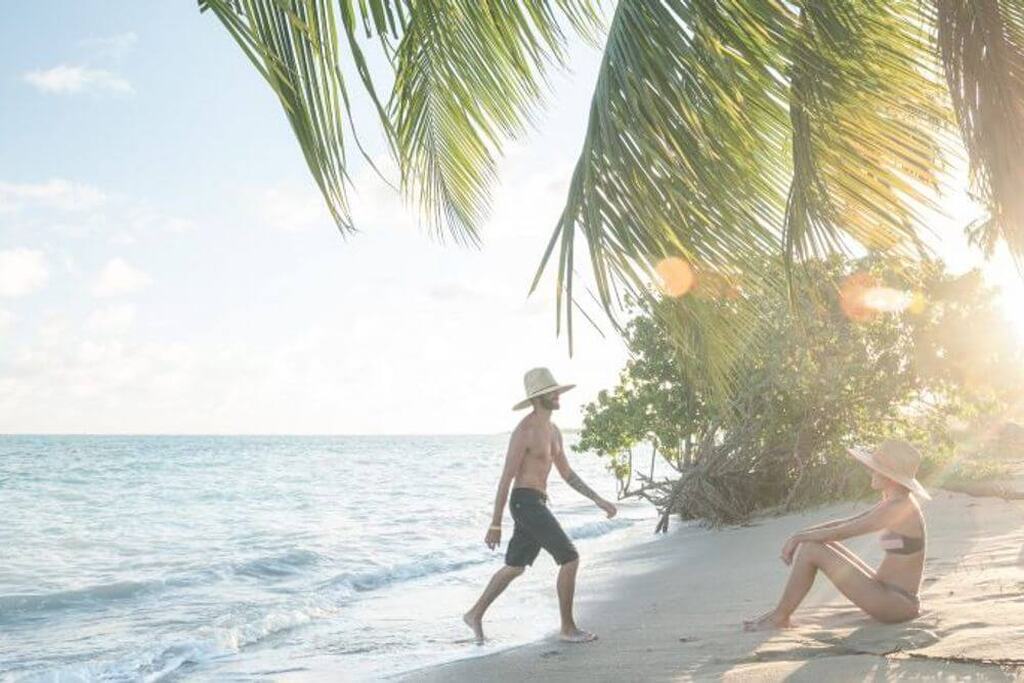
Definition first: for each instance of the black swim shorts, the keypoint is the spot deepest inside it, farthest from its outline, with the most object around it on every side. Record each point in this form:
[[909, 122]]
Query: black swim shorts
[[535, 528]]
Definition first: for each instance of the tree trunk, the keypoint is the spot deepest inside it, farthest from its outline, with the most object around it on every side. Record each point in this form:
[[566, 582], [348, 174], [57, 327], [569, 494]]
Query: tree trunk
[[800, 463]]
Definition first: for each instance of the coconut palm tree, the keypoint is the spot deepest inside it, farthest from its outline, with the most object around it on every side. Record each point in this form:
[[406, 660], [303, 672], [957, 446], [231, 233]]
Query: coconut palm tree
[[721, 132]]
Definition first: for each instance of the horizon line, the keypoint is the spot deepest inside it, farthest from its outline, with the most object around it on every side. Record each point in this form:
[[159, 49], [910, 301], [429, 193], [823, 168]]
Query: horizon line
[[266, 434]]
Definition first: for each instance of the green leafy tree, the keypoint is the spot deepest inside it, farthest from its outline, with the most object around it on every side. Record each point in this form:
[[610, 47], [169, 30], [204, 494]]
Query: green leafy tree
[[832, 372]]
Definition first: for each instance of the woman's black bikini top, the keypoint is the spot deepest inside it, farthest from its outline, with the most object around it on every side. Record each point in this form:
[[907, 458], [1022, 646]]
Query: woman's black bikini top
[[899, 544]]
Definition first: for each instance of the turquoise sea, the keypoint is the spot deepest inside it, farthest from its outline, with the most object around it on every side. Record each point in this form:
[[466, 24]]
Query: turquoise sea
[[263, 558]]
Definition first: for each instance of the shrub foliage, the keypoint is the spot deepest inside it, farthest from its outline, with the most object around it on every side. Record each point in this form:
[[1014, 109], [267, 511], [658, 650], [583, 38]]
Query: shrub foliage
[[918, 354]]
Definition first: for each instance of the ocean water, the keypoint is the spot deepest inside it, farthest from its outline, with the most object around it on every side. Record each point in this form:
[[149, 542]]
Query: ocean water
[[263, 558]]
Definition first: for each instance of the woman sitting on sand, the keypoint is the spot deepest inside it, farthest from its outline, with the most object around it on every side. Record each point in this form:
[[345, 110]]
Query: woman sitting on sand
[[889, 594]]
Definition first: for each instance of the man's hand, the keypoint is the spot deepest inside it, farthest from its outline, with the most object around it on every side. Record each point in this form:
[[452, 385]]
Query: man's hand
[[609, 508], [493, 537], [792, 543]]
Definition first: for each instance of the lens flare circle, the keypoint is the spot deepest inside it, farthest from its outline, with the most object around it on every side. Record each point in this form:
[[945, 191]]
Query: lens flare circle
[[676, 276], [862, 297]]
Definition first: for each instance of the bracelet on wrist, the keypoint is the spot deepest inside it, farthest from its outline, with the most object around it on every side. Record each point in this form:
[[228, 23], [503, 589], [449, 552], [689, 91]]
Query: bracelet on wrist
[[496, 527]]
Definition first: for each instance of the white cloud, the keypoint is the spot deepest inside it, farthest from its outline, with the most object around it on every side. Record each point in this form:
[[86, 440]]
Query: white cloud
[[56, 193], [142, 218], [376, 205], [22, 271], [73, 209], [123, 239], [65, 79], [111, 320], [70, 264], [118, 277], [114, 47], [6, 320], [291, 208]]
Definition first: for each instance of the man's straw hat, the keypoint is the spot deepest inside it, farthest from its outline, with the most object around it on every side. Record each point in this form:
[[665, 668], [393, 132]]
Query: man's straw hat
[[538, 382], [897, 460]]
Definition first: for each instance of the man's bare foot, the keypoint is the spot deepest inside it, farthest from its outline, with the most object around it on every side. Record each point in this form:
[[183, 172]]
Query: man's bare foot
[[575, 635], [767, 622], [474, 623]]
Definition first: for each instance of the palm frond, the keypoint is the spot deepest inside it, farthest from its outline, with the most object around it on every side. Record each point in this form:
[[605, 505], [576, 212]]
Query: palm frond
[[294, 44], [684, 155], [865, 102], [721, 132], [727, 132], [468, 74], [982, 47]]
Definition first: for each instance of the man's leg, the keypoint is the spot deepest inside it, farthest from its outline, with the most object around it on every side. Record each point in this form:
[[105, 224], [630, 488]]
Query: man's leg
[[554, 540], [496, 586], [566, 585]]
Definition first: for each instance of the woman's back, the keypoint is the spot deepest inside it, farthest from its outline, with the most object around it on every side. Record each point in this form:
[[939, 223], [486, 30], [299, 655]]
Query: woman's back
[[904, 545]]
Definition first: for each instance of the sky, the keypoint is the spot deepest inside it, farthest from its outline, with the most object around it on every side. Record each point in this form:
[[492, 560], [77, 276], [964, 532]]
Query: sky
[[166, 265]]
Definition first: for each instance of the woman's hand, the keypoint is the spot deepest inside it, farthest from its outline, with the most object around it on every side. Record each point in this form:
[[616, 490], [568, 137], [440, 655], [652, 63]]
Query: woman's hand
[[609, 508], [789, 549]]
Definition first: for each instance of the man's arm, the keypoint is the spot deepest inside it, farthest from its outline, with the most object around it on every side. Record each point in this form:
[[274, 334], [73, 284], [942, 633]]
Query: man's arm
[[513, 459], [574, 480]]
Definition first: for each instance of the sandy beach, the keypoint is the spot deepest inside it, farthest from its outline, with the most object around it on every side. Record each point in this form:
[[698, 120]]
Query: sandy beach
[[674, 612]]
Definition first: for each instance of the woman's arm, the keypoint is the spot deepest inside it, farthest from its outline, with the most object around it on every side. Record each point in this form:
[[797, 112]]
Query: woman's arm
[[838, 522], [877, 518]]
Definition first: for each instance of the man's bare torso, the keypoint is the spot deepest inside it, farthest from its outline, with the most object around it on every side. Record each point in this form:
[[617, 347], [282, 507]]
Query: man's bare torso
[[541, 444]]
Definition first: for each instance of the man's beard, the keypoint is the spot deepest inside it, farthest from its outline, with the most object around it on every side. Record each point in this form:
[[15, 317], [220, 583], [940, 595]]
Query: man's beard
[[548, 403]]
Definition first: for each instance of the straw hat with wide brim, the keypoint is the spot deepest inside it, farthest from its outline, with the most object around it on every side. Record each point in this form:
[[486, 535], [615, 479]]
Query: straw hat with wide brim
[[539, 382], [897, 460]]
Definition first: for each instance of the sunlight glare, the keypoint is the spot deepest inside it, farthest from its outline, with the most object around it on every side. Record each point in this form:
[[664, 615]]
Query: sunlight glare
[[887, 299], [861, 296], [676, 276]]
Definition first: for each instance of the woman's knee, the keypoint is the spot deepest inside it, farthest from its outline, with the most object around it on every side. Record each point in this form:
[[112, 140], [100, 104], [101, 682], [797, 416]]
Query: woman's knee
[[810, 551]]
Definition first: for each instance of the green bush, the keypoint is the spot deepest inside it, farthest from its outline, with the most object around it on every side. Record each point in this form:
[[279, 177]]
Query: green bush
[[822, 375]]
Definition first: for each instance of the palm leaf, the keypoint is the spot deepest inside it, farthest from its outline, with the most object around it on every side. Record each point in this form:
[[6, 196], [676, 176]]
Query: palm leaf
[[725, 132], [865, 102], [468, 74], [684, 155], [982, 48], [294, 44], [721, 132]]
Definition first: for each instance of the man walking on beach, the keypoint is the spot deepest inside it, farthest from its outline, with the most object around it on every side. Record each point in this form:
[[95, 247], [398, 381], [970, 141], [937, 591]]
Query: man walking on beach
[[535, 446]]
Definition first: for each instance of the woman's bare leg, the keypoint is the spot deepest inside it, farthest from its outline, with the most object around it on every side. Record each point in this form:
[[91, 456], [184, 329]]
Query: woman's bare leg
[[860, 587], [852, 557]]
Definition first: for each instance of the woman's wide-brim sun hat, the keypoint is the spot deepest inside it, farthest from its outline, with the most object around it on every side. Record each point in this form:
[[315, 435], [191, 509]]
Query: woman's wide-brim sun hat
[[538, 382], [897, 460]]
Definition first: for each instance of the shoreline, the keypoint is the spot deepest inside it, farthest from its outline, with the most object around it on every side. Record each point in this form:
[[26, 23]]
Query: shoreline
[[674, 610]]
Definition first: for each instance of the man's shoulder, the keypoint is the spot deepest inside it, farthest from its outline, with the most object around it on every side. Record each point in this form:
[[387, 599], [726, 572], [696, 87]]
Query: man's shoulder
[[530, 428], [524, 428]]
